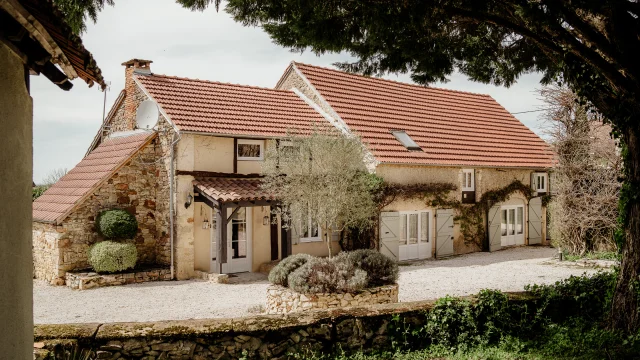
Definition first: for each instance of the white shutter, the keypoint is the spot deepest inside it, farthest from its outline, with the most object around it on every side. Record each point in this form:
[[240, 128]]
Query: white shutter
[[444, 232], [495, 235], [389, 231], [535, 221]]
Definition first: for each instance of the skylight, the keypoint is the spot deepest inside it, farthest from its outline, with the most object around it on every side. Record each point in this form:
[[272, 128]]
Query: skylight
[[406, 140]]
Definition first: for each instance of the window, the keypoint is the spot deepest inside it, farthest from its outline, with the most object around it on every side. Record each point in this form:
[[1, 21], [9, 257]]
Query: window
[[414, 227], [250, 149], [468, 180], [406, 140], [519, 220], [503, 223], [309, 230], [540, 181]]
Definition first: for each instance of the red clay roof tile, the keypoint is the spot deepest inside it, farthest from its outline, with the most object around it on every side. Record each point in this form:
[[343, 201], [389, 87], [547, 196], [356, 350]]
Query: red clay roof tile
[[232, 189], [96, 167], [229, 109], [451, 127]]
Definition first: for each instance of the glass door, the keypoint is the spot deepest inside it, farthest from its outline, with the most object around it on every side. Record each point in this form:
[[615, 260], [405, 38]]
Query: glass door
[[414, 242], [512, 225], [238, 241]]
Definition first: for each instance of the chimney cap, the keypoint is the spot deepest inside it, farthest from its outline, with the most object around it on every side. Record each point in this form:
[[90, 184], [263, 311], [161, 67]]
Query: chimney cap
[[137, 63]]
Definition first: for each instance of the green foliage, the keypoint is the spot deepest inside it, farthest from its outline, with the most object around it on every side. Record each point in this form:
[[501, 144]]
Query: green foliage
[[77, 12], [600, 255], [280, 273], [37, 191], [110, 256], [380, 269], [451, 322], [117, 224], [322, 275]]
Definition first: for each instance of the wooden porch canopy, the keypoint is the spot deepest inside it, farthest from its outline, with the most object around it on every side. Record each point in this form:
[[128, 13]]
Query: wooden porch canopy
[[224, 193]]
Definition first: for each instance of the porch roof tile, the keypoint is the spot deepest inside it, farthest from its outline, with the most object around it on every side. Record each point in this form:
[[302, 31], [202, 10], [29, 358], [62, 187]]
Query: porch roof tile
[[232, 189]]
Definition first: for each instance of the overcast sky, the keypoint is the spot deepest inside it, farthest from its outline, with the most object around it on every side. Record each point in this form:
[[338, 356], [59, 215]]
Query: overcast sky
[[205, 45]]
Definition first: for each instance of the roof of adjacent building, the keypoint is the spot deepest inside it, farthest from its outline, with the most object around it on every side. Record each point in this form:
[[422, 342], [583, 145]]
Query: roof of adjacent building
[[232, 189], [61, 198], [451, 127], [229, 109]]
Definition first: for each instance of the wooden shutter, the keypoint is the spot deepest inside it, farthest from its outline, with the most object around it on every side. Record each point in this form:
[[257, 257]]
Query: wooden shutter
[[444, 232], [495, 234], [535, 221], [389, 232]]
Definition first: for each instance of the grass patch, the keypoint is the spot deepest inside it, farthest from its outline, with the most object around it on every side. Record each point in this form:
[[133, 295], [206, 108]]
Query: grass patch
[[603, 255]]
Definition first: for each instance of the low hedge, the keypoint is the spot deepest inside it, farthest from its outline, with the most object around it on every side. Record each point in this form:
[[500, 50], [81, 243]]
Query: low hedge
[[117, 224], [111, 256]]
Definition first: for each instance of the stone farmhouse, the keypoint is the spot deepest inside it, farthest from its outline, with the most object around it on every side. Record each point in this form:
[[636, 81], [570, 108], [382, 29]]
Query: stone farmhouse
[[198, 171]]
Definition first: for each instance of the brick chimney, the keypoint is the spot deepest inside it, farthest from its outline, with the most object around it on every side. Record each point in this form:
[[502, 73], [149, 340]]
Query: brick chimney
[[132, 98]]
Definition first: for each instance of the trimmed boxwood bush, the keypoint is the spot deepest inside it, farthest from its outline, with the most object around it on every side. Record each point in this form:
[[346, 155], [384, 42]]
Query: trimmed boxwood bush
[[117, 224], [280, 273], [321, 275], [380, 269], [111, 256]]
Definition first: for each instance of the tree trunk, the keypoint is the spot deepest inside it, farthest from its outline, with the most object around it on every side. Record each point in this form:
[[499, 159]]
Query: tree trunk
[[624, 314]]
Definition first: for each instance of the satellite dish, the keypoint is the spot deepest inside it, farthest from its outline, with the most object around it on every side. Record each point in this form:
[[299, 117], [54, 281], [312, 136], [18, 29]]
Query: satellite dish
[[147, 115]]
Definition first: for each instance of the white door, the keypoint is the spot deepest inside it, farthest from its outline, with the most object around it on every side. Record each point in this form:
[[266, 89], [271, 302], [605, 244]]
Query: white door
[[512, 225], [535, 221], [415, 235], [444, 233], [239, 242]]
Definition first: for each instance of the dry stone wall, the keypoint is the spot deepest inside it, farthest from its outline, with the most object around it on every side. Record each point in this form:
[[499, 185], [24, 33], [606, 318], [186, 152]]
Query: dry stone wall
[[282, 300], [90, 280], [256, 337]]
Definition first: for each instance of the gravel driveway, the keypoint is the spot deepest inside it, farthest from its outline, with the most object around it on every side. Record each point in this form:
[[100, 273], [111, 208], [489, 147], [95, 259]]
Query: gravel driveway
[[507, 270]]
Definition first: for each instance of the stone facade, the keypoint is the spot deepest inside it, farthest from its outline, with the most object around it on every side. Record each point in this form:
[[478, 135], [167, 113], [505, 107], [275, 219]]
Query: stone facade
[[282, 300], [89, 280], [255, 337], [134, 187]]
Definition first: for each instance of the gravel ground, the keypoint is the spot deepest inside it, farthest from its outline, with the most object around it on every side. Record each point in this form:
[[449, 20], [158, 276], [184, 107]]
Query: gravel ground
[[507, 270]]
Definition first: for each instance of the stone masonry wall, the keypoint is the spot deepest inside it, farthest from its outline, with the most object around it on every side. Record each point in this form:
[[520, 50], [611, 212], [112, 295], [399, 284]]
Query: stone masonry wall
[[257, 337], [282, 300], [133, 188]]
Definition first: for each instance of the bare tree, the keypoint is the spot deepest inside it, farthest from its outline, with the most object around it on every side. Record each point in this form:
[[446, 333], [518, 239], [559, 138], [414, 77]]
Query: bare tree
[[585, 184], [53, 176], [321, 181]]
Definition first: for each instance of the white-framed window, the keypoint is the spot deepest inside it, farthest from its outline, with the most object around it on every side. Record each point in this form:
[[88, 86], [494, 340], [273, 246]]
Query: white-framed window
[[250, 149], [309, 230], [468, 180], [540, 182], [414, 227]]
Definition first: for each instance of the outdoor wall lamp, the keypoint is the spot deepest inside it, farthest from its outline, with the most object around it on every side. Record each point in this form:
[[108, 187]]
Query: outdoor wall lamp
[[188, 202], [265, 220]]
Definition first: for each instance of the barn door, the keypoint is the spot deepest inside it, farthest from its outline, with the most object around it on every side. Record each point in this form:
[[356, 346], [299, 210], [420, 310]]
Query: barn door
[[444, 234], [535, 221], [495, 230], [389, 229]]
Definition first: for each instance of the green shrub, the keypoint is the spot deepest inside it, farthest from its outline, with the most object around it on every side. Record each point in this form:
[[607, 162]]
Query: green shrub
[[380, 269], [117, 224], [37, 191], [320, 275], [451, 323], [280, 272], [111, 256]]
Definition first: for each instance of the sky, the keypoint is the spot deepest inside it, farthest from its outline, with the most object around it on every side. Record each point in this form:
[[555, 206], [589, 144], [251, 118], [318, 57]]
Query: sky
[[205, 45]]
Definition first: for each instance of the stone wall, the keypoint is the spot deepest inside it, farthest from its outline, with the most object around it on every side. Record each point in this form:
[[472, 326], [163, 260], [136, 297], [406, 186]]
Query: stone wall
[[257, 337], [282, 300], [134, 187], [90, 280]]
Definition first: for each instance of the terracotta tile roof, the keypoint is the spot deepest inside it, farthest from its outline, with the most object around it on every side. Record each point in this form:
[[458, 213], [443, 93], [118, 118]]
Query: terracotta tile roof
[[451, 127], [232, 189], [81, 181], [220, 108]]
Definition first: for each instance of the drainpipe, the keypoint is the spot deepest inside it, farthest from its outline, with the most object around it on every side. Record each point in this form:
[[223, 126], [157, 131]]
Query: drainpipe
[[171, 191]]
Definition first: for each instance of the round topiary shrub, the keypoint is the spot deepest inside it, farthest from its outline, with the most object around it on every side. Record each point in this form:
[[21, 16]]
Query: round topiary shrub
[[321, 275], [111, 256], [280, 273], [117, 224], [380, 269]]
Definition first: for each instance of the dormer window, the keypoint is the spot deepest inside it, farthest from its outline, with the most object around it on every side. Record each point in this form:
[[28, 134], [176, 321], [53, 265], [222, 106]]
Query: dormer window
[[539, 182], [468, 180], [406, 140]]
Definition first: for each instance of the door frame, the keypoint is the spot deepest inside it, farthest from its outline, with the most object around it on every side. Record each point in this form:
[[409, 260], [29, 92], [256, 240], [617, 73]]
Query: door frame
[[420, 245], [228, 268], [518, 239]]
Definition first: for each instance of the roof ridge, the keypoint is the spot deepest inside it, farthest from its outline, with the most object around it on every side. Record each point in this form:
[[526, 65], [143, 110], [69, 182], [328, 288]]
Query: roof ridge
[[394, 81], [215, 82]]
